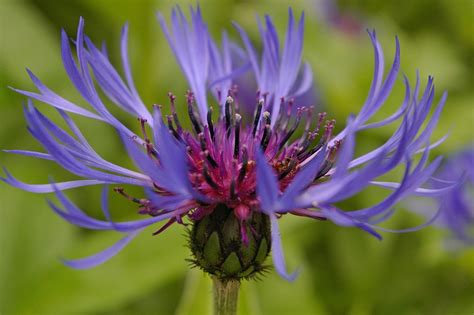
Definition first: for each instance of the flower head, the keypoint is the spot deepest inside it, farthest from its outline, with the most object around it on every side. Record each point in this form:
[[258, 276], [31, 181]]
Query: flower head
[[457, 205], [283, 159]]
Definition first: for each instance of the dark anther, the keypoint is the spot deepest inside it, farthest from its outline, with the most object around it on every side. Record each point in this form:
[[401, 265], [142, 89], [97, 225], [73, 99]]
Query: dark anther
[[171, 128], [147, 144], [209, 123], [305, 153], [192, 117], [324, 169], [305, 145], [291, 167], [290, 132], [333, 150], [267, 134], [208, 178], [233, 195], [238, 118], [311, 152], [202, 142], [243, 169], [143, 128], [173, 111], [267, 118], [228, 103], [209, 158], [257, 116]]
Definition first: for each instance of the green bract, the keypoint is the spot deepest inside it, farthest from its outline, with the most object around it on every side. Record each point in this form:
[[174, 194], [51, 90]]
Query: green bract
[[217, 245]]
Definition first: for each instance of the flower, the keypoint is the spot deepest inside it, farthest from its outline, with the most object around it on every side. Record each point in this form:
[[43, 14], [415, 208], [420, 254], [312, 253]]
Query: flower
[[457, 205], [255, 168]]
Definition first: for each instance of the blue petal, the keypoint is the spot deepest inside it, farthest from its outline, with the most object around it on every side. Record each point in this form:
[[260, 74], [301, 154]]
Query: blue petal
[[126, 63], [103, 256], [190, 45], [267, 184], [38, 155], [67, 160], [49, 97], [76, 216], [277, 251], [173, 161], [142, 160], [344, 219], [47, 188]]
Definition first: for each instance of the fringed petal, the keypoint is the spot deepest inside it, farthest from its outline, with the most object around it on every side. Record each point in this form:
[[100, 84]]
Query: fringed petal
[[267, 184], [47, 188], [103, 256], [277, 251]]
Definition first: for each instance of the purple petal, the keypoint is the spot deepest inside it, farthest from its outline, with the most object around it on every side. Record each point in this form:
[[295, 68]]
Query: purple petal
[[346, 152], [143, 161], [103, 256], [251, 53], [413, 229], [126, 62], [343, 219], [76, 216], [47, 188], [267, 184], [39, 155], [80, 219], [173, 161], [306, 81], [66, 159], [185, 42], [422, 192], [51, 98], [277, 251]]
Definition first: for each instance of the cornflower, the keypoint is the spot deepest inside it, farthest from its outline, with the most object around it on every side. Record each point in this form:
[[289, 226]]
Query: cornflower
[[232, 175]]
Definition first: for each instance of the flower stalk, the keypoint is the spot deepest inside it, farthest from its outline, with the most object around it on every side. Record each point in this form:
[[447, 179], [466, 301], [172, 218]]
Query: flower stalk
[[226, 295]]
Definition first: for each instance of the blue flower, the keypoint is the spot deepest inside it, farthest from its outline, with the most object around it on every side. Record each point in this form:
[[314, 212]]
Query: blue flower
[[457, 205], [252, 165]]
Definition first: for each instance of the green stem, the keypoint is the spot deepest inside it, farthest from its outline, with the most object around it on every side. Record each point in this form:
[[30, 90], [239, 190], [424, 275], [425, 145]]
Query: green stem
[[226, 295]]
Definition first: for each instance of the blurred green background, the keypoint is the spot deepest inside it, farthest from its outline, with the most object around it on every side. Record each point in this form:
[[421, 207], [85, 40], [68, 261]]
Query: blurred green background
[[343, 271]]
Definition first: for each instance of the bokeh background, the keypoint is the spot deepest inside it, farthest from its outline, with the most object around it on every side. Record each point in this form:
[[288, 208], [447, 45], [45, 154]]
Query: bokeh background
[[343, 271]]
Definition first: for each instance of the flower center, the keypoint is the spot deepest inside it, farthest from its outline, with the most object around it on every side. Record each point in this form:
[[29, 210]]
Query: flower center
[[221, 154]]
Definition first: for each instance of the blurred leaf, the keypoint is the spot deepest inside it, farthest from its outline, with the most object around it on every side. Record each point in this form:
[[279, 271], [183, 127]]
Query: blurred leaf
[[144, 263], [196, 297], [26, 41], [279, 296]]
